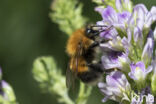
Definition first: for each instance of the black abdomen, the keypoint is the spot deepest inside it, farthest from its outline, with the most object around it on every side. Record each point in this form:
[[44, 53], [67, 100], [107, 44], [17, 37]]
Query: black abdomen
[[93, 74]]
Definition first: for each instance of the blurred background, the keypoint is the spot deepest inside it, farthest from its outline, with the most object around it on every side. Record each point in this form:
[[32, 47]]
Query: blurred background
[[27, 32]]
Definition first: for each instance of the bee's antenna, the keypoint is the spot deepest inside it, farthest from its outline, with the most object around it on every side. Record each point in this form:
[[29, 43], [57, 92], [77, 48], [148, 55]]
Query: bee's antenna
[[98, 32]]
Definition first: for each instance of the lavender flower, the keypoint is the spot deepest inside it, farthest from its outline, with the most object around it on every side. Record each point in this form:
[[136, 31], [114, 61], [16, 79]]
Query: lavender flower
[[116, 44], [116, 87], [139, 21], [6, 91], [116, 59], [141, 17], [130, 48], [111, 17], [7, 95], [110, 60], [138, 73]]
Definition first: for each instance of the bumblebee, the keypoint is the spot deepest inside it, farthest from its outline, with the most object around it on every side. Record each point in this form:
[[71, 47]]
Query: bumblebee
[[82, 49]]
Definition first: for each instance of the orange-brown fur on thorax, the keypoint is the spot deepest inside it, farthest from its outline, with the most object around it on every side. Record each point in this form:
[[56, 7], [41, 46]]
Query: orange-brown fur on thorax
[[76, 38]]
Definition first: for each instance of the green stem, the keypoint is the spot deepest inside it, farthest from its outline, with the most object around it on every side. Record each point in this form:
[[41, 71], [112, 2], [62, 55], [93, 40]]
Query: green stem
[[135, 50], [65, 98], [82, 89], [84, 93], [81, 93]]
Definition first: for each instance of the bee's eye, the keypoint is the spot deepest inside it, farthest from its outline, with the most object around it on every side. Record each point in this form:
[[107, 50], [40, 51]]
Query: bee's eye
[[88, 31]]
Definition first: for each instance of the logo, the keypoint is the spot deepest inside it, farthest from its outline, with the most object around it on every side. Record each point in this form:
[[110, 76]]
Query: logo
[[149, 99]]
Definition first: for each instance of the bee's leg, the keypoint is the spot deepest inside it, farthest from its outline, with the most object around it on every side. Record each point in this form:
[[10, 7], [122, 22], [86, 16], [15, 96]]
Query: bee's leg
[[98, 67], [95, 44], [102, 40]]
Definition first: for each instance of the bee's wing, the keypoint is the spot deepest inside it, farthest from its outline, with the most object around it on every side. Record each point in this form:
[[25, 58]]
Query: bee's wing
[[70, 76], [78, 54], [70, 73]]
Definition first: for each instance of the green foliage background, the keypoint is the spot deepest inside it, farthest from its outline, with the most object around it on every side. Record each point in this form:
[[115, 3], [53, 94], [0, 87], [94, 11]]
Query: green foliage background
[[27, 32]]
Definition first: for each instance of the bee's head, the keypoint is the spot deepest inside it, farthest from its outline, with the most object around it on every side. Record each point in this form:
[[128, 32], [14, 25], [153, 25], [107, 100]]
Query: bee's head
[[91, 32]]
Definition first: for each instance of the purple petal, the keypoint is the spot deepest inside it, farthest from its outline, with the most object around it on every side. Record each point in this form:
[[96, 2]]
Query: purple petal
[[126, 1], [153, 11], [99, 10], [138, 71], [105, 98], [131, 21], [129, 35], [148, 48], [131, 75], [116, 75], [140, 65], [133, 67], [140, 23], [119, 5], [106, 90], [148, 20], [126, 43], [141, 9], [101, 85], [111, 81], [116, 79], [138, 14], [109, 14], [109, 64], [113, 55], [123, 17], [149, 69], [101, 23], [4, 84], [138, 36]]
